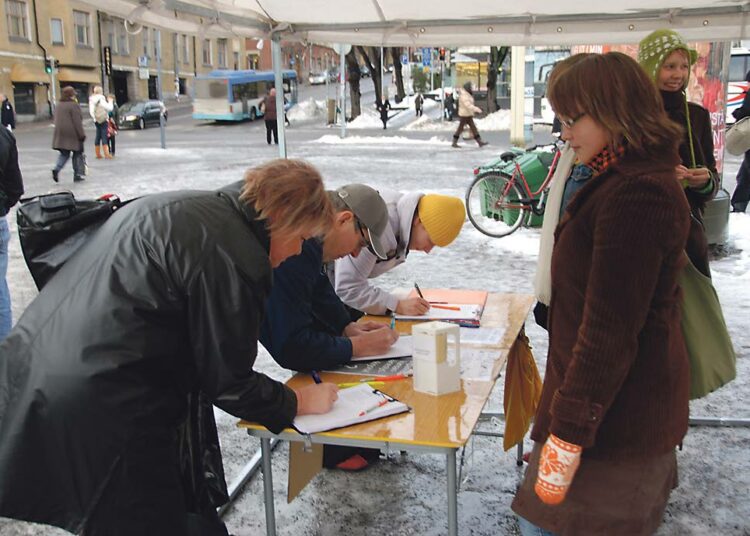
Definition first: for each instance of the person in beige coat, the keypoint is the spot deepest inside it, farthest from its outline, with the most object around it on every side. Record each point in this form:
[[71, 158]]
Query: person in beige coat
[[466, 111]]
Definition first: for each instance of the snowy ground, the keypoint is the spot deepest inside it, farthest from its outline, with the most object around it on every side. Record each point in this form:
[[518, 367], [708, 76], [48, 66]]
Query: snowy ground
[[407, 495]]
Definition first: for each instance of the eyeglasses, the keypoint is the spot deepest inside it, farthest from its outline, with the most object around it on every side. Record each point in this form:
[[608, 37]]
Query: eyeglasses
[[364, 242], [570, 123]]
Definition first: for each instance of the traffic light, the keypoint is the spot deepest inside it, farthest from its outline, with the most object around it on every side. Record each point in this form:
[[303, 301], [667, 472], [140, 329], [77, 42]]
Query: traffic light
[[57, 64], [442, 54], [47, 66]]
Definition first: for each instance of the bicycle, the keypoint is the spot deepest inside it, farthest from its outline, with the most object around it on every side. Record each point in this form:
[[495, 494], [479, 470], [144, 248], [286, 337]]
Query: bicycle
[[500, 200]]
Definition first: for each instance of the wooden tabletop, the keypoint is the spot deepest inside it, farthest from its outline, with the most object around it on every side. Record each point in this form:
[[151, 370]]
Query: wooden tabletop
[[440, 421]]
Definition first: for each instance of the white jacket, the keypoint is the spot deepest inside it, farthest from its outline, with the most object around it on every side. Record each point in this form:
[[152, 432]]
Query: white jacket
[[350, 275], [98, 100], [466, 106]]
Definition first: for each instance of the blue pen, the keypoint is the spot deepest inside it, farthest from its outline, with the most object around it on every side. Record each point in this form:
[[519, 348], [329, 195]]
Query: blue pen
[[393, 320], [315, 376]]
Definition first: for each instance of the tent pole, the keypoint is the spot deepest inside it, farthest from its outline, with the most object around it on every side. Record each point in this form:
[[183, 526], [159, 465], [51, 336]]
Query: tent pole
[[279, 85]]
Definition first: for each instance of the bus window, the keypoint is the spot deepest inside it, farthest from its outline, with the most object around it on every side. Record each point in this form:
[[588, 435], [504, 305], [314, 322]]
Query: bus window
[[738, 67], [211, 89]]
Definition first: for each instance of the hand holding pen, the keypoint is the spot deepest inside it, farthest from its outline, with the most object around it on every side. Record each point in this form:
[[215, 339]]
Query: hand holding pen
[[317, 398]]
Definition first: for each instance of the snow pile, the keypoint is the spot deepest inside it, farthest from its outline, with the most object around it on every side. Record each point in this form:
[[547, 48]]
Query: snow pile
[[369, 118], [307, 110], [499, 120]]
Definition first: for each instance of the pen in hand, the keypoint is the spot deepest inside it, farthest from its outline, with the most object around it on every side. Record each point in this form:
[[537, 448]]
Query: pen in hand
[[393, 320], [419, 292], [315, 376]]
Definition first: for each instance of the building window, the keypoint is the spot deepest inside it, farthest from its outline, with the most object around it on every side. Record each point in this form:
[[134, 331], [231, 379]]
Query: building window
[[82, 23], [56, 31], [18, 19], [207, 52], [109, 36], [123, 43], [236, 60], [185, 49], [146, 40], [222, 52], [156, 37]]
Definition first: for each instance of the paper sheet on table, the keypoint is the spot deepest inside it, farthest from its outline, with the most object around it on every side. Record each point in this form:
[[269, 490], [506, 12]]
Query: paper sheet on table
[[401, 348], [348, 408]]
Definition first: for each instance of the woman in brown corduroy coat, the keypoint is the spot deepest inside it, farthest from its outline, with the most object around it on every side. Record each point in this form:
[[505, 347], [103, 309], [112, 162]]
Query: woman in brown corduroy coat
[[615, 398], [69, 134]]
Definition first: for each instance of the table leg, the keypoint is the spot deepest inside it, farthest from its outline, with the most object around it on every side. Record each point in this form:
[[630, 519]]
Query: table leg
[[265, 449], [450, 461]]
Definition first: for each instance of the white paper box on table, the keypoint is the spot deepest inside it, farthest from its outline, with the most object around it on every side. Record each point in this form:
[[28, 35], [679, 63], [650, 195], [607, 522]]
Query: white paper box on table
[[436, 357]]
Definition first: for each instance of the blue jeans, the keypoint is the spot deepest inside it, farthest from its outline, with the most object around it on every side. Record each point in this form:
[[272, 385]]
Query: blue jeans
[[529, 529], [101, 133], [62, 158], [6, 321]]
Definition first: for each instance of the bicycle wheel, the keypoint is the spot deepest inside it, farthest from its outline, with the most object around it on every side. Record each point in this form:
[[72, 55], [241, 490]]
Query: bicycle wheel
[[493, 206]]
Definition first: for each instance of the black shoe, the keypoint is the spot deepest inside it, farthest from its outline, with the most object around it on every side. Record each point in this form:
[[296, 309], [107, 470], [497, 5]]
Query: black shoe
[[54, 175], [481, 143], [78, 179]]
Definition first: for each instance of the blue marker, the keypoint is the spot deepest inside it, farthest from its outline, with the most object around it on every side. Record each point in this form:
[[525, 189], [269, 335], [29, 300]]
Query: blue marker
[[393, 320]]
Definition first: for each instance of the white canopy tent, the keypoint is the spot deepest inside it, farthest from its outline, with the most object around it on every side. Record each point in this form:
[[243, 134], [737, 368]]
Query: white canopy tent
[[434, 23]]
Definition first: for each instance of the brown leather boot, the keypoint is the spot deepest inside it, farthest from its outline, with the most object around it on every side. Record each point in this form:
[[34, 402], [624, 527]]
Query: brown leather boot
[[480, 142], [98, 151], [106, 152], [455, 142]]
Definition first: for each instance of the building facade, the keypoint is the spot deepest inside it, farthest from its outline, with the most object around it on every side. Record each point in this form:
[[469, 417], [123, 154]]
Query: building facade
[[46, 45]]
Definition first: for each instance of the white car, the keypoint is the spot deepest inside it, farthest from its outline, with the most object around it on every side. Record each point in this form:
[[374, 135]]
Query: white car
[[318, 78]]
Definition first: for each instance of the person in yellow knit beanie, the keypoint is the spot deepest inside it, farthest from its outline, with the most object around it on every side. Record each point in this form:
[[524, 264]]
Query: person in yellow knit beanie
[[417, 222]]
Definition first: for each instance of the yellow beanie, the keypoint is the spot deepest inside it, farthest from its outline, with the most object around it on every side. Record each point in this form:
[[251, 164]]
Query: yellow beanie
[[442, 216]]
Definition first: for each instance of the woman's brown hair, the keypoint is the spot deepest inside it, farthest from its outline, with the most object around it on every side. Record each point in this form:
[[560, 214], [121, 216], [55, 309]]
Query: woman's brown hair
[[618, 94], [289, 194]]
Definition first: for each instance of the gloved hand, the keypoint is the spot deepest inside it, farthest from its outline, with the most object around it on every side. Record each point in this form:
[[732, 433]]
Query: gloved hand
[[558, 464]]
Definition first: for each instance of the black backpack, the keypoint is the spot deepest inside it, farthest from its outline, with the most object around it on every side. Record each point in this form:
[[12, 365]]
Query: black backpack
[[52, 227]]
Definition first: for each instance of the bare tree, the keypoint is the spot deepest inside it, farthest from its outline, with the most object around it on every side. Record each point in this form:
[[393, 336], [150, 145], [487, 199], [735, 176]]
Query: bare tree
[[497, 57], [371, 55], [352, 69], [396, 57]]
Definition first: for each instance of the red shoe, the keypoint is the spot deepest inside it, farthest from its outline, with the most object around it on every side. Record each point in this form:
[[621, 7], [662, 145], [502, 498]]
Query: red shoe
[[526, 456], [354, 463]]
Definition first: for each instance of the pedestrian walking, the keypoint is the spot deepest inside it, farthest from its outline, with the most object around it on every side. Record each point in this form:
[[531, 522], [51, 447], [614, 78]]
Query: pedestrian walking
[[741, 194], [112, 124], [99, 109], [418, 102], [69, 135], [383, 106], [450, 106], [7, 114], [466, 111], [11, 189], [268, 107]]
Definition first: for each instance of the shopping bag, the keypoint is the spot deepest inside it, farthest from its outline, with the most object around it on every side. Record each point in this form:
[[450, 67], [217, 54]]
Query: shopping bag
[[523, 389], [52, 227], [709, 347]]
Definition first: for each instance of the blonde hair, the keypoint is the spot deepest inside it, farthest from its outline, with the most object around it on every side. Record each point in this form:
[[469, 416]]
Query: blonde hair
[[97, 90], [289, 194], [618, 94]]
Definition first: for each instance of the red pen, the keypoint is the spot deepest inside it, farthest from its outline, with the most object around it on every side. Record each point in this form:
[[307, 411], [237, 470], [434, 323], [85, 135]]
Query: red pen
[[448, 307], [387, 378], [373, 408]]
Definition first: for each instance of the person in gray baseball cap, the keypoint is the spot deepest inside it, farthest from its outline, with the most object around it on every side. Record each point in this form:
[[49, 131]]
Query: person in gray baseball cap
[[307, 327]]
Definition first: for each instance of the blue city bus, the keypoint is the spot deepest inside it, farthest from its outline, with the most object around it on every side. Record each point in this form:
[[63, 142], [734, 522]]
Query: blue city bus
[[236, 95]]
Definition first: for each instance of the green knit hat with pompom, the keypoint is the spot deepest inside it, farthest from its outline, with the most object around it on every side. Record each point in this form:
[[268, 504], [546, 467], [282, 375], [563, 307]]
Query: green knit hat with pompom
[[657, 46]]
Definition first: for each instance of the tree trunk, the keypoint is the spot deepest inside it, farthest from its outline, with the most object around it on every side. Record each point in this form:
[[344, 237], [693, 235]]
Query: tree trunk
[[352, 68], [497, 57], [396, 57], [371, 55]]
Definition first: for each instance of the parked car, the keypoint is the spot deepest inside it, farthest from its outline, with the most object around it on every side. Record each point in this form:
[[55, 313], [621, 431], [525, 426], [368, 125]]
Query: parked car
[[140, 114], [317, 77]]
